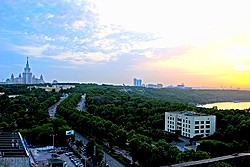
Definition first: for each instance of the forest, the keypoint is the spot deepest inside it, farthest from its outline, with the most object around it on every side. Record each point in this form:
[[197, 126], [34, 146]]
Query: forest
[[131, 118]]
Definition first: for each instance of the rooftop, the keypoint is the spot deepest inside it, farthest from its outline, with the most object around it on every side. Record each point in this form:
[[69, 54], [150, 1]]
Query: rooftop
[[190, 113], [11, 145]]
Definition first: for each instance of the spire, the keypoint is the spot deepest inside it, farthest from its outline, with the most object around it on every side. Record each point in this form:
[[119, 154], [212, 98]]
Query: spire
[[27, 64]]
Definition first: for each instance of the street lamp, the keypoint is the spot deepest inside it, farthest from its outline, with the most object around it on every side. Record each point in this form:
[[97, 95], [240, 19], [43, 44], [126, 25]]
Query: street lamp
[[85, 161], [53, 140]]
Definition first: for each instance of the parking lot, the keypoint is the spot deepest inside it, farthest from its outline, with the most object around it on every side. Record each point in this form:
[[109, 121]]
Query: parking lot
[[68, 157]]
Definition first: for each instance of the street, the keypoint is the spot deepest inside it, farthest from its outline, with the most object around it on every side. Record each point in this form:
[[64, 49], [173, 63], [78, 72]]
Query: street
[[106, 157], [52, 109], [81, 104]]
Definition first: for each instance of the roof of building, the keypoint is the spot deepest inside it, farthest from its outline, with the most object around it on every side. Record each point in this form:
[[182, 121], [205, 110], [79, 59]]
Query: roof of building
[[55, 161], [190, 113], [12, 145]]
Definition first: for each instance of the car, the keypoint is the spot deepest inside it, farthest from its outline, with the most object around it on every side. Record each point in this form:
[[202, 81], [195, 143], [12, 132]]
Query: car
[[60, 152], [235, 154], [55, 155]]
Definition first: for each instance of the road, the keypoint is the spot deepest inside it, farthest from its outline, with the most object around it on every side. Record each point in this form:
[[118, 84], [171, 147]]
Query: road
[[52, 109], [184, 145], [81, 104], [109, 160], [106, 157], [213, 160]]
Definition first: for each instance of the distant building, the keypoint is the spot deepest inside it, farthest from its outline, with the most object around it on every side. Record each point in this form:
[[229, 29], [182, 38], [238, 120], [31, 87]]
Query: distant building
[[54, 82], [26, 78], [182, 86], [13, 151], [137, 82], [159, 85], [190, 124], [154, 85]]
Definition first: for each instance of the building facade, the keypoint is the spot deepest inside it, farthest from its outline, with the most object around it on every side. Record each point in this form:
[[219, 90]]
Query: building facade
[[26, 77], [137, 82], [190, 124]]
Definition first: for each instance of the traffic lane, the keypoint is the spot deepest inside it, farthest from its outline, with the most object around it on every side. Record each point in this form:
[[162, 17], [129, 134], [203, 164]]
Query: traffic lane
[[80, 137], [52, 109], [81, 104], [111, 161]]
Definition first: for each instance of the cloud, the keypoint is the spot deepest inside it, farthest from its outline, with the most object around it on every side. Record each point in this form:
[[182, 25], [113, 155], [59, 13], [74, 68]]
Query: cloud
[[35, 51], [63, 67], [78, 24], [242, 68], [79, 58]]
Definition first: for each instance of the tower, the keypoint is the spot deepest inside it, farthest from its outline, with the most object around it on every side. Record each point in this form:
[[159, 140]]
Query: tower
[[27, 75]]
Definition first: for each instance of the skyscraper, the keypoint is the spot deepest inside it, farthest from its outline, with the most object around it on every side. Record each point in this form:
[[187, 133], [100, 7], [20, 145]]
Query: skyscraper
[[137, 82], [27, 77]]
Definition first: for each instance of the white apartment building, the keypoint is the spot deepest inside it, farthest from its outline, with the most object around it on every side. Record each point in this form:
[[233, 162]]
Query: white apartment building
[[190, 124]]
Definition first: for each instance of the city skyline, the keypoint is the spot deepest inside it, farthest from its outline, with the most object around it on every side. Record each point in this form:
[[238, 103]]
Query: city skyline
[[170, 42]]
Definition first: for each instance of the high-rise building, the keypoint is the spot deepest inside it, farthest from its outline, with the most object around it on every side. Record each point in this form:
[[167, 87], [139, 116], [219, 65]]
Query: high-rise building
[[137, 82], [190, 124], [27, 77], [27, 74]]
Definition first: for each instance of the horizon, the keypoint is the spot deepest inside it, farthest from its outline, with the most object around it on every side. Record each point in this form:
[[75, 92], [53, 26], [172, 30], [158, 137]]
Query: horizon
[[200, 44]]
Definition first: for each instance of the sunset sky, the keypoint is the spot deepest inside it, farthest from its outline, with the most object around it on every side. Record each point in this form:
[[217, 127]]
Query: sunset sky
[[198, 43]]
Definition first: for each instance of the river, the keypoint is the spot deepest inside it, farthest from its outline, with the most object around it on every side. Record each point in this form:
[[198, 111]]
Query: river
[[229, 105]]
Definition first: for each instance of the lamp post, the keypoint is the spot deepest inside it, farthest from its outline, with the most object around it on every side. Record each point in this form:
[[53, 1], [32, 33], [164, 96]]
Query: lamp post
[[53, 140], [93, 159]]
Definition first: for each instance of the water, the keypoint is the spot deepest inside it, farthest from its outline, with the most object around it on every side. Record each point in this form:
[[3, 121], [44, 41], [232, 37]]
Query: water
[[229, 105]]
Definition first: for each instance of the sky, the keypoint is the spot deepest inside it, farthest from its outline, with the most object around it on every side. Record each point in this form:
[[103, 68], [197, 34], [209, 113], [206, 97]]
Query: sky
[[199, 43]]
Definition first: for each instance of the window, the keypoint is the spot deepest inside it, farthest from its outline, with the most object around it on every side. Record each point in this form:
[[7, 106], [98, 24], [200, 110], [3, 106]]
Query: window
[[207, 131], [202, 131], [207, 122], [202, 122], [196, 122], [202, 126], [196, 131], [207, 126], [197, 127]]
